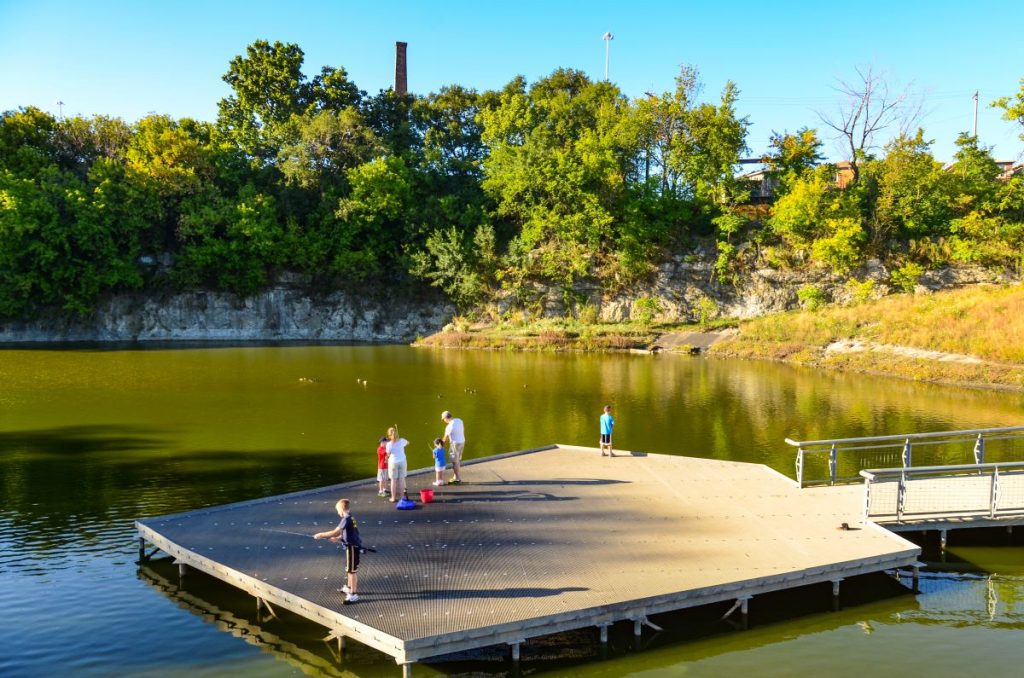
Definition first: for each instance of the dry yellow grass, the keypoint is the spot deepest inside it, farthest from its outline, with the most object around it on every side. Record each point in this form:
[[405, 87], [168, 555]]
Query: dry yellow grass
[[983, 322]]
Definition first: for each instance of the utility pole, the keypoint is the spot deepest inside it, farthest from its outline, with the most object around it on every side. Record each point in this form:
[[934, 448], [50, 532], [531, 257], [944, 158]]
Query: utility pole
[[607, 37], [60, 108], [975, 97]]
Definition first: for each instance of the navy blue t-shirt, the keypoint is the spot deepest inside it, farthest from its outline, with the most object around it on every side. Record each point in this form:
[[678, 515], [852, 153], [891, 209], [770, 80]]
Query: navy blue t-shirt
[[349, 531]]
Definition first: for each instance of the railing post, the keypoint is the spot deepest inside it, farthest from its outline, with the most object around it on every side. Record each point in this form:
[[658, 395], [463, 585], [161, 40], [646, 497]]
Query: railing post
[[906, 453], [901, 497], [979, 449], [799, 467], [867, 499], [994, 499], [832, 464]]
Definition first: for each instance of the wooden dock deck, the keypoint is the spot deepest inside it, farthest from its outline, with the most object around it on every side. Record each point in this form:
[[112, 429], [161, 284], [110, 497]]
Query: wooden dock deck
[[535, 543]]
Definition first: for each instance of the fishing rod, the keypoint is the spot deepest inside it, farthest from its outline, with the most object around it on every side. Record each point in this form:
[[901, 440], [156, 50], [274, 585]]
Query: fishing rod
[[297, 534], [364, 549]]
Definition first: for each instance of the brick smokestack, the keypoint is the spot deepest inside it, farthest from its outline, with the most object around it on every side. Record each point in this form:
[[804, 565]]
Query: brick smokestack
[[401, 75]]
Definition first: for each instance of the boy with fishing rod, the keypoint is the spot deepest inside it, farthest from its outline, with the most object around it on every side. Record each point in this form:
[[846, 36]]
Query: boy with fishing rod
[[347, 534]]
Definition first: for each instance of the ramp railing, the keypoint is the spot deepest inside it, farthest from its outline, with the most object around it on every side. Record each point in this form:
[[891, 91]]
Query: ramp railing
[[944, 492], [832, 461]]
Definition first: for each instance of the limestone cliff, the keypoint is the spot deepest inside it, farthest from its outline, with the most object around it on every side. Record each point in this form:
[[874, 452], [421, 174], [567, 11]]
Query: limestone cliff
[[278, 314]]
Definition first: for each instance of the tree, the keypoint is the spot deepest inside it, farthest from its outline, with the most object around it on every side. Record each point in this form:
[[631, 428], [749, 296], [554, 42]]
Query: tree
[[816, 217], [323, 145], [269, 89], [694, 146], [910, 192], [1013, 107], [554, 172], [792, 156], [973, 176], [869, 108]]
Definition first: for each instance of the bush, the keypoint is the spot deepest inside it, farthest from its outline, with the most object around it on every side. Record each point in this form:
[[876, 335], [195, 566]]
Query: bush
[[645, 309], [706, 310], [588, 314], [860, 291], [811, 297], [906, 276], [841, 250], [724, 262]]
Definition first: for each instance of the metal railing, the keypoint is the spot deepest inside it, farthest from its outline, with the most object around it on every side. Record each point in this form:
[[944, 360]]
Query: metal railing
[[893, 446], [944, 492]]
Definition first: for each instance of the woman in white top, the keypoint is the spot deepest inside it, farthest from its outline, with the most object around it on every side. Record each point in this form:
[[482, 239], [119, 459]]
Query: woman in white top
[[397, 464]]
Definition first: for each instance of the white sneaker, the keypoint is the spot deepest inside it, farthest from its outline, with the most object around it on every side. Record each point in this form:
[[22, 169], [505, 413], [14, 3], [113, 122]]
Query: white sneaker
[[351, 598], [438, 483]]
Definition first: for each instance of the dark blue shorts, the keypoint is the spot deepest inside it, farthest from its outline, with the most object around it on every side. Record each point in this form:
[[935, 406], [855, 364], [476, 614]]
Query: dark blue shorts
[[606, 438]]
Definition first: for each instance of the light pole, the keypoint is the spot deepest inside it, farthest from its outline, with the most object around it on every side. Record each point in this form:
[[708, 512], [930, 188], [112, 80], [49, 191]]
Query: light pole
[[60, 109], [975, 97], [607, 37]]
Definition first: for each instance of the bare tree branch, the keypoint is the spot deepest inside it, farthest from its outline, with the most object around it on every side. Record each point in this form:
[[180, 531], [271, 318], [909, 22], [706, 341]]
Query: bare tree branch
[[868, 109]]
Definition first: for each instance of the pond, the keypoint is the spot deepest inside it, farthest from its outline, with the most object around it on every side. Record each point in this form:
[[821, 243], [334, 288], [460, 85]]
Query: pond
[[90, 439]]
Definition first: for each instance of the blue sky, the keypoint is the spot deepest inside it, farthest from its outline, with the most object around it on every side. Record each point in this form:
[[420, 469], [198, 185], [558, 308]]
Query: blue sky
[[130, 58]]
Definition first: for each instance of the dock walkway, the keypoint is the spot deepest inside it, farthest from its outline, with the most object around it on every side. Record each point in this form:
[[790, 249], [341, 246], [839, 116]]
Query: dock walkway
[[535, 543]]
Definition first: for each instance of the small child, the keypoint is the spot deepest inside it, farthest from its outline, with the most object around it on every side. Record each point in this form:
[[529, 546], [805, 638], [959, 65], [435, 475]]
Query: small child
[[438, 461], [347, 534], [382, 467], [607, 424]]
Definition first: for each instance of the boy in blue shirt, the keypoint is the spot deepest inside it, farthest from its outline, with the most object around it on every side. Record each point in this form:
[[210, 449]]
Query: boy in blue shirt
[[607, 424], [439, 462], [347, 533]]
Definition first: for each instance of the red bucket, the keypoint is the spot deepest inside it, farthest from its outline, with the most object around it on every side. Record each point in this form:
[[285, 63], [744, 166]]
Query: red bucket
[[426, 496]]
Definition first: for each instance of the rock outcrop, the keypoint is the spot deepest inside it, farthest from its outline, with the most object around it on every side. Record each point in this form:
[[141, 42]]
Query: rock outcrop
[[280, 313]]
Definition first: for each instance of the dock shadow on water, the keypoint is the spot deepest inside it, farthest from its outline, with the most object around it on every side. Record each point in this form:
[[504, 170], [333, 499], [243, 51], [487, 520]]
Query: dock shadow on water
[[693, 635]]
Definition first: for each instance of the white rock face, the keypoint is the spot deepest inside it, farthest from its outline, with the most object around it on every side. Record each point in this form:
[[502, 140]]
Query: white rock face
[[683, 288], [277, 314]]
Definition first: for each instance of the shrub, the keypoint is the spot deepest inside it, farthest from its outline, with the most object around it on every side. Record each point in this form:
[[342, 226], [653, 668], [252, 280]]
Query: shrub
[[724, 262], [811, 297], [841, 250], [588, 314], [906, 276], [706, 310], [645, 309], [860, 291]]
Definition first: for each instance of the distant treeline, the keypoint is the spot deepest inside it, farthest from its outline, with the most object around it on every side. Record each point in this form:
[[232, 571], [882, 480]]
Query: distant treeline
[[561, 181]]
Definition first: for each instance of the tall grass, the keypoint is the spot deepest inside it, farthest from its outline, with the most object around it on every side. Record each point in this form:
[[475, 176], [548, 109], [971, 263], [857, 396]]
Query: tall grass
[[985, 322]]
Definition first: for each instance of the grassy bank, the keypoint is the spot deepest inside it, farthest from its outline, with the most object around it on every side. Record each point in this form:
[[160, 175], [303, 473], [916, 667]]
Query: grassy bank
[[557, 334], [969, 337]]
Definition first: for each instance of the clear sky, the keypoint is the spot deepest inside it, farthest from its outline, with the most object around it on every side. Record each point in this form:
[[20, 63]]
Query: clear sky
[[130, 58]]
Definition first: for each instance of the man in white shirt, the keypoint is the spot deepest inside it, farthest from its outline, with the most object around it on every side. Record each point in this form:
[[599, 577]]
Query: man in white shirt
[[455, 436]]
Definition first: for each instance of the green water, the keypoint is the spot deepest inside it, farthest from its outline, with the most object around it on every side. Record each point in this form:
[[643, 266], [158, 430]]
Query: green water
[[91, 439]]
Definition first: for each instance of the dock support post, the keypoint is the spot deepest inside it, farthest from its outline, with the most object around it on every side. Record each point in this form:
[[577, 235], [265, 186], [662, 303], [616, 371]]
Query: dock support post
[[942, 539], [637, 626], [182, 570], [407, 670], [604, 632], [835, 594], [142, 550], [915, 577], [743, 612], [515, 651]]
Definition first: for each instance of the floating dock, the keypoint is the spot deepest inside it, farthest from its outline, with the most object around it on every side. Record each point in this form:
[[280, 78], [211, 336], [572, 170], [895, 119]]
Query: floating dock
[[535, 543]]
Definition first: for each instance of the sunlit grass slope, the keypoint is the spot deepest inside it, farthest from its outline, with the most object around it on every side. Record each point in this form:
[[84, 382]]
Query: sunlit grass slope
[[984, 323]]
